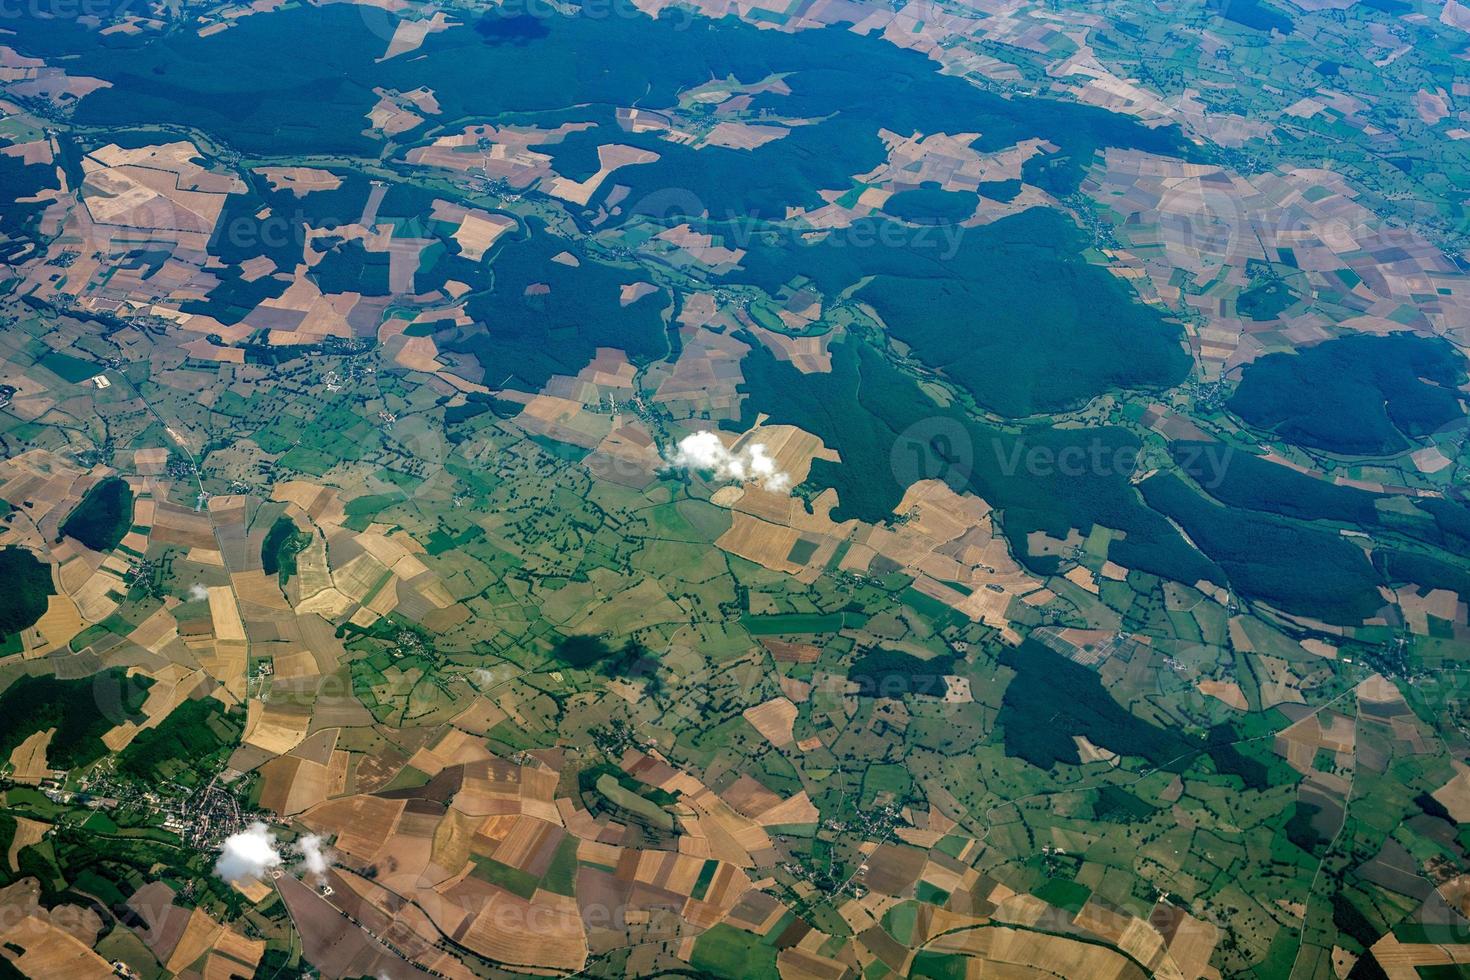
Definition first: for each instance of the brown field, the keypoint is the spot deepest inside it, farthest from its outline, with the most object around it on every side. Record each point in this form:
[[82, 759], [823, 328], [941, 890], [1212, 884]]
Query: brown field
[[50, 952], [410, 34], [1299, 743], [293, 784], [546, 933], [773, 719], [157, 189], [761, 542], [1227, 691], [299, 180], [96, 597], [182, 527], [797, 809], [951, 538], [1001, 947], [809, 355], [27, 832], [61, 621], [276, 728], [361, 824], [333, 944], [171, 686], [29, 758], [1400, 959], [1454, 795], [478, 230], [610, 157], [510, 156], [800, 964], [198, 939]]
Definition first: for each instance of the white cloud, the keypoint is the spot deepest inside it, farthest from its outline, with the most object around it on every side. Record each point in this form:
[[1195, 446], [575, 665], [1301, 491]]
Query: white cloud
[[703, 451], [249, 854], [315, 856], [198, 592]]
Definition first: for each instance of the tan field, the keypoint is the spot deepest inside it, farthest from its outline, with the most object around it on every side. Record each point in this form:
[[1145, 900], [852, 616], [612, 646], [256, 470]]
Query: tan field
[[610, 158], [773, 719], [276, 728], [50, 952], [27, 832], [28, 761]]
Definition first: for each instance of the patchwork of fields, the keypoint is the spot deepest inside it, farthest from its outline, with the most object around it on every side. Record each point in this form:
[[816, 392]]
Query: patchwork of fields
[[674, 488]]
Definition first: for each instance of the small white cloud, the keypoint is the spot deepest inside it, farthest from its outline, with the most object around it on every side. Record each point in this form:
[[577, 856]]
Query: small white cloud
[[198, 592], [763, 469], [248, 855], [316, 857], [703, 451]]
